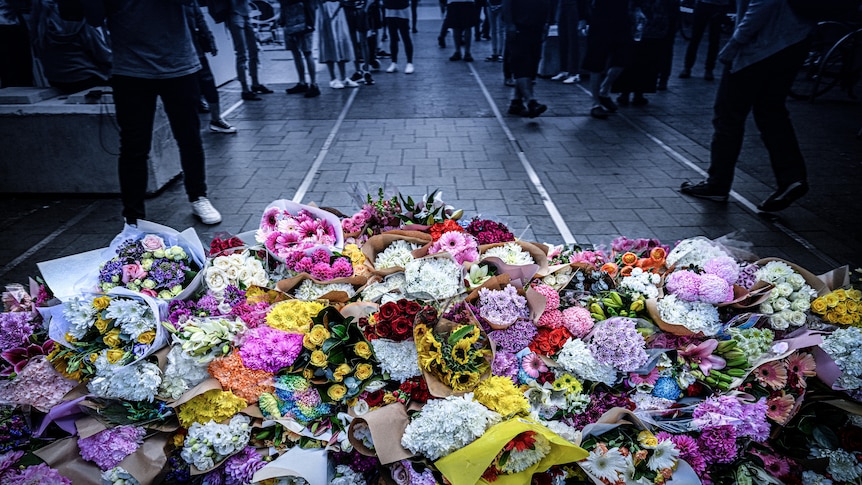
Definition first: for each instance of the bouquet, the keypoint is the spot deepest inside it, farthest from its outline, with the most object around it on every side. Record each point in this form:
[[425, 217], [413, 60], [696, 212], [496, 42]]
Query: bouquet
[[240, 269], [456, 355], [207, 444], [287, 227], [790, 298]]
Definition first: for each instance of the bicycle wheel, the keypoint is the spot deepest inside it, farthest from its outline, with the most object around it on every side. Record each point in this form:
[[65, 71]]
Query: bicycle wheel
[[814, 78]]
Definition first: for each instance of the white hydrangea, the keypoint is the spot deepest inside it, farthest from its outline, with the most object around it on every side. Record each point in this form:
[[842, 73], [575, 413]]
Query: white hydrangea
[[397, 254], [510, 253], [209, 443], [576, 358], [181, 374], [843, 466], [695, 316], [398, 359], [344, 475], [446, 425], [309, 290], [694, 252], [843, 346], [118, 476], [642, 282], [439, 278]]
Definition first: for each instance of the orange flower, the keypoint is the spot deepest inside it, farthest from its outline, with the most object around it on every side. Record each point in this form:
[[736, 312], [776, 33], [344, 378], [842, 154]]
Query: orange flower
[[626, 271], [611, 269], [246, 383], [629, 259], [658, 255]]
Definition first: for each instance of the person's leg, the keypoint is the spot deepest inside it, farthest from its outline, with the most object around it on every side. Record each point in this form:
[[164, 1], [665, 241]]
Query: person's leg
[[733, 101], [178, 97], [342, 69], [458, 36], [699, 22], [414, 4], [612, 75], [237, 35], [135, 103], [714, 40], [330, 66], [496, 18], [468, 55], [404, 29], [311, 68], [206, 83], [253, 55], [298, 63], [393, 39]]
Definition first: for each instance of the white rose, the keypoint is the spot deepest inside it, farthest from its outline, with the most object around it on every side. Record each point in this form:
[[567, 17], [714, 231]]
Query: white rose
[[224, 308], [221, 262], [782, 289], [237, 260], [232, 272], [216, 279], [244, 276], [800, 305], [781, 304], [796, 281], [766, 308], [797, 318], [779, 321], [260, 278]]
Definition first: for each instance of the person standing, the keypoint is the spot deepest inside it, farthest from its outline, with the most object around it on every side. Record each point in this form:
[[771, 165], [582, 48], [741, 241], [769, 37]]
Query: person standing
[[245, 48], [761, 60], [609, 45], [298, 39], [334, 44], [657, 30], [494, 13], [154, 57], [397, 14], [16, 59], [711, 14], [461, 17], [568, 24], [205, 42], [526, 22]]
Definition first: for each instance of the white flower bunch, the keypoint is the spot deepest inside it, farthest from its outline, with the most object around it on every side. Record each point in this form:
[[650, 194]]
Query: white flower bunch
[[309, 290], [843, 346], [393, 282], [80, 314], [641, 282], [446, 425], [564, 430], [519, 461], [118, 476], [511, 253], [545, 401], [207, 444], [398, 359], [575, 358], [133, 316], [664, 455], [398, 253], [344, 475], [695, 316], [843, 466], [134, 382], [438, 278], [790, 298], [239, 269], [181, 374], [694, 252], [207, 338]]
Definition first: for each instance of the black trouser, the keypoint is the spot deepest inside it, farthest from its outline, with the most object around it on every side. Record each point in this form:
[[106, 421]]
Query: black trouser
[[206, 82], [762, 89], [135, 102], [705, 14], [399, 26]]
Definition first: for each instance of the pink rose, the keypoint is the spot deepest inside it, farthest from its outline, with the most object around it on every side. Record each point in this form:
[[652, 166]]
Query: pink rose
[[400, 472], [151, 242], [133, 272], [149, 292]]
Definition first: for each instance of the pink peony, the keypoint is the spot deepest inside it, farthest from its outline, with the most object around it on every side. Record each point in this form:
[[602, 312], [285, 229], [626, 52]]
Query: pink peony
[[724, 267], [714, 290]]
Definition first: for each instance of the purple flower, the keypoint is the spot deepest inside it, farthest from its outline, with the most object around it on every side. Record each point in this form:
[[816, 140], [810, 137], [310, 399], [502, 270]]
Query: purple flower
[[724, 267], [240, 468], [321, 271], [14, 432], [505, 364], [108, 448], [304, 265], [616, 342], [342, 268], [688, 450], [130, 250], [578, 321], [684, 284], [756, 425], [269, 349], [15, 329], [320, 255], [718, 444], [747, 275], [714, 290], [34, 475], [111, 271], [516, 337]]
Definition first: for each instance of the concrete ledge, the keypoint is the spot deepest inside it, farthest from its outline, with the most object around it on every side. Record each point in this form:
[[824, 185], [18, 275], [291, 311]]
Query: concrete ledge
[[26, 95], [55, 147]]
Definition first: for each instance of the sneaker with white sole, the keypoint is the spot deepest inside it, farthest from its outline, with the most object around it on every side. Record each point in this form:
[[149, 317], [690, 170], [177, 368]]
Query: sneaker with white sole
[[336, 84], [560, 76], [221, 126], [572, 79], [408, 69], [392, 68], [204, 209], [349, 83]]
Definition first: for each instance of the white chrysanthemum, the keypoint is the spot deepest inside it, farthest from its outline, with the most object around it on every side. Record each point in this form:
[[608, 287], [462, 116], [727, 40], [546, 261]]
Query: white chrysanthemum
[[181, 374], [577, 359], [695, 316], [393, 282], [309, 290], [521, 460], [133, 316], [79, 312], [813, 478], [446, 425], [398, 253], [398, 359], [663, 456], [608, 466], [565, 431], [511, 253], [641, 282], [346, 476], [694, 252], [134, 382], [438, 278]]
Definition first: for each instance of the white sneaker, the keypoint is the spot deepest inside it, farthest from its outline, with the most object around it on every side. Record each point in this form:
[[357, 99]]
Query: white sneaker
[[221, 126], [350, 84], [205, 211], [560, 76], [572, 79], [336, 84], [392, 67], [408, 69]]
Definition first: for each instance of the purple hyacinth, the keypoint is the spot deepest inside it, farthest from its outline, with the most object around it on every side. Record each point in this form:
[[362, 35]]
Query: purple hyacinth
[[111, 269], [130, 250]]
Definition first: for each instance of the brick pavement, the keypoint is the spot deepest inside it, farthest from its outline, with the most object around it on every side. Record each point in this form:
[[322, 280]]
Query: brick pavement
[[436, 130]]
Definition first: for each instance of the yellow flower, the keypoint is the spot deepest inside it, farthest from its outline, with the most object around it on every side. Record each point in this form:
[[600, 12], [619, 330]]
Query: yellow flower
[[318, 334], [647, 439], [500, 394], [101, 302], [831, 300], [213, 405], [388, 399], [178, 440], [854, 294], [147, 337], [112, 338], [819, 306], [70, 338], [293, 315], [308, 373], [353, 252], [101, 324], [115, 355], [362, 350], [845, 320], [341, 371], [419, 331], [461, 352], [463, 381], [93, 357], [841, 294], [840, 309], [568, 381], [318, 359], [364, 371], [336, 391], [852, 306]]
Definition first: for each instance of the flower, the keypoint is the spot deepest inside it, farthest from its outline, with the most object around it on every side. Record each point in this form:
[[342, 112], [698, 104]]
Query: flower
[[664, 455], [37, 385], [605, 464], [779, 407], [533, 365], [269, 349], [213, 405], [718, 444], [578, 321], [772, 374], [446, 425], [501, 395], [702, 355], [799, 366], [293, 315], [438, 278], [843, 347], [397, 254], [510, 253], [576, 358], [616, 342], [695, 316], [107, 448], [502, 307], [209, 443], [398, 359]]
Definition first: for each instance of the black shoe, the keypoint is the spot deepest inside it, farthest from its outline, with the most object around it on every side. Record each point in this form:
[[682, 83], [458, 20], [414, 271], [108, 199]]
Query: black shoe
[[455, 57], [468, 58], [608, 104], [313, 91], [260, 89], [415, 31], [298, 89], [517, 108], [623, 100], [441, 42], [704, 191], [382, 54], [375, 65], [369, 81], [685, 74], [708, 76], [599, 113], [782, 198], [357, 76], [250, 96], [534, 108], [639, 101], [492, 58], [203, 106]]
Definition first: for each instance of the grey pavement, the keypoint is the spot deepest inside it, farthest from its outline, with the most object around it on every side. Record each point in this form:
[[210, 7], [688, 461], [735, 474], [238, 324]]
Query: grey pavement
[[436, 129]]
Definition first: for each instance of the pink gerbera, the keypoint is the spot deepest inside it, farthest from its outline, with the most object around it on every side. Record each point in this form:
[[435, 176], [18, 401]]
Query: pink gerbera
[[772, 375], [533, 365], [269, 219], [452, 242], [779, 407], [801, 365], [637, 379], [777, 467]]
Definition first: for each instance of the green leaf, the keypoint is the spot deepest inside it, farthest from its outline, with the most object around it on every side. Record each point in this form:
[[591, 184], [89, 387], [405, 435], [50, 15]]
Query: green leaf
[[825, 438], [339, 331], [457, 335]]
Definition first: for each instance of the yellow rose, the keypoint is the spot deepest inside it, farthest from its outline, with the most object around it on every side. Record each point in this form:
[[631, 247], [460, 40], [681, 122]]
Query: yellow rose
[[336, 391], [308, 373], [147, 337], [318, 334], [852, 306], [854, 294], [306, 342], [341, 371], [318, 359], [115, 355], [101, 324], [818, 306], [93, 357], [647, 439], [841, 294], [112, 338], [845, 320], [831, 300], [363, 371], [840, 309], [362, 350], [101, 302]]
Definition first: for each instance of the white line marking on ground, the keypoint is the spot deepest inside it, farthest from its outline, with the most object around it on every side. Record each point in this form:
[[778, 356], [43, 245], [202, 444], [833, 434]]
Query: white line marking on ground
[[231, 109], [324, 150], [568, 238], [48, 239]]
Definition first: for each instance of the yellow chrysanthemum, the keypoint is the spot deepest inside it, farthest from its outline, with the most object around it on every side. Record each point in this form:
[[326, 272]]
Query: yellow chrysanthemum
[[568, 382], [293, 315], [500, 394], [353, 252], [215, 405], [101, 302]]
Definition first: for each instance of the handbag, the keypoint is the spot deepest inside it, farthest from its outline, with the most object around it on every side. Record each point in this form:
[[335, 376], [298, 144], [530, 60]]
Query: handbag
[[294, 18]]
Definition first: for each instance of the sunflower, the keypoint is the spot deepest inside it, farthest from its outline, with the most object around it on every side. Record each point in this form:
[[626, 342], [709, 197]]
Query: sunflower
[[463, 381], [461, 352]]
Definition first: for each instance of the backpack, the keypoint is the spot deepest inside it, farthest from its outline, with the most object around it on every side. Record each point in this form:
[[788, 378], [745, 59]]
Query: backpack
[[820, 10]]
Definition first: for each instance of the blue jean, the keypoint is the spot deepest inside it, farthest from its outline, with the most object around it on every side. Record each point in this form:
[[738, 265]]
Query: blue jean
[[762, 89], [135, 102], [245, 47]]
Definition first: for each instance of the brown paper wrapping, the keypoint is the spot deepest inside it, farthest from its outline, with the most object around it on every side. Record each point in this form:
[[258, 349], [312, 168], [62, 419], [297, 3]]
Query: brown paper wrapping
[[88, 426], [378, 243], [387, 425], [655, 316], [436, 387], [359, 309], [64, 456], [837, 278], [743, 299], [813, 281], [494, 283], [287, 285], [537, 251], [148, 462], [207, 385]]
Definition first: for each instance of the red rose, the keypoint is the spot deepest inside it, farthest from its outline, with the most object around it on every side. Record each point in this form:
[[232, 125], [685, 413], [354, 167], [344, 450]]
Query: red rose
[[383, 329], [558, 337], [387, 312], [401, 327], [412, 308], [374, 398]]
